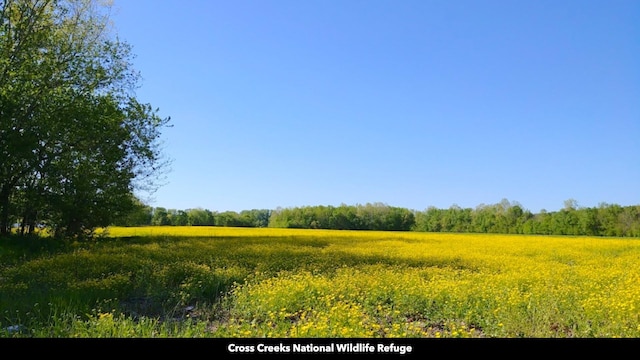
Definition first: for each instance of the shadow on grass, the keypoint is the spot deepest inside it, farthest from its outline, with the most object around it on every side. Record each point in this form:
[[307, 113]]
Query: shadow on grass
[[162, 276]]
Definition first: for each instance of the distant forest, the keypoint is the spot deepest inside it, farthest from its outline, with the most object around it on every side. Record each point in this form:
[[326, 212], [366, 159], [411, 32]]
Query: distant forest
[[504, 217]]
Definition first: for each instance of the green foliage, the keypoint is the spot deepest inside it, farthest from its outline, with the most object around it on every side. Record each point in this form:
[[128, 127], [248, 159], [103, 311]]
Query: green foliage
[[74, 140], [375, 216], [200, 217], [139, 215], [504, 217], [510, 218]]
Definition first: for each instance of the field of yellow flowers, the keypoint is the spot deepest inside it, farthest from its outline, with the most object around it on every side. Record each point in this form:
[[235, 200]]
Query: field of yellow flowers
[[248, 282]]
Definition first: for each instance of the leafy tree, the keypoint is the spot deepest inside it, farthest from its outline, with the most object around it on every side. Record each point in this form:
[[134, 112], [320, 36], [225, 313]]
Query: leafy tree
[[228, 218], [372, 216], [429, 220], [399, 219], [200, 217], [179, 217], [160, 217], [75, 142], [345, 217], [140, 215], [588, 222], [630, 220], [484, 219], [545, 220], [516, 216], [255, 218]]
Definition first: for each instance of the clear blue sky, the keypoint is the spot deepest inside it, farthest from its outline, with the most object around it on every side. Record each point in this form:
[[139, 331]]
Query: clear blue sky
[[409, 103]]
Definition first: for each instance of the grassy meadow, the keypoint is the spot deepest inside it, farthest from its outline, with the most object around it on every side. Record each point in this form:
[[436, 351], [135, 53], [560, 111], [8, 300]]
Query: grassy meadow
[[265, 282]]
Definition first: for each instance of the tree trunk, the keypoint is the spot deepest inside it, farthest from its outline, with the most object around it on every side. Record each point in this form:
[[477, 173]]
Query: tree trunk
[[5, 227]]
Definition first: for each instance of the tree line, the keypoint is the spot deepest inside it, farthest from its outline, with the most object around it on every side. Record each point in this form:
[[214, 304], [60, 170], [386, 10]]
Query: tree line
[[511, 218], [144, 215], [504, 217]]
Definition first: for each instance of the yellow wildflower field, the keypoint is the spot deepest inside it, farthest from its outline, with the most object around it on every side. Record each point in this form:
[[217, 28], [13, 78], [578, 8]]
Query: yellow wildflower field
[[331, 283]]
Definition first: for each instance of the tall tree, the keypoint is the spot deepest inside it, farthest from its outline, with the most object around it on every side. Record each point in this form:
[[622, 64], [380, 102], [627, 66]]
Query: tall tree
[[75, 142]]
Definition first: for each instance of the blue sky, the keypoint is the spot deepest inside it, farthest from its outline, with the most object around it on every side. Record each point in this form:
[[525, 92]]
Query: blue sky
[[409, 103]]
